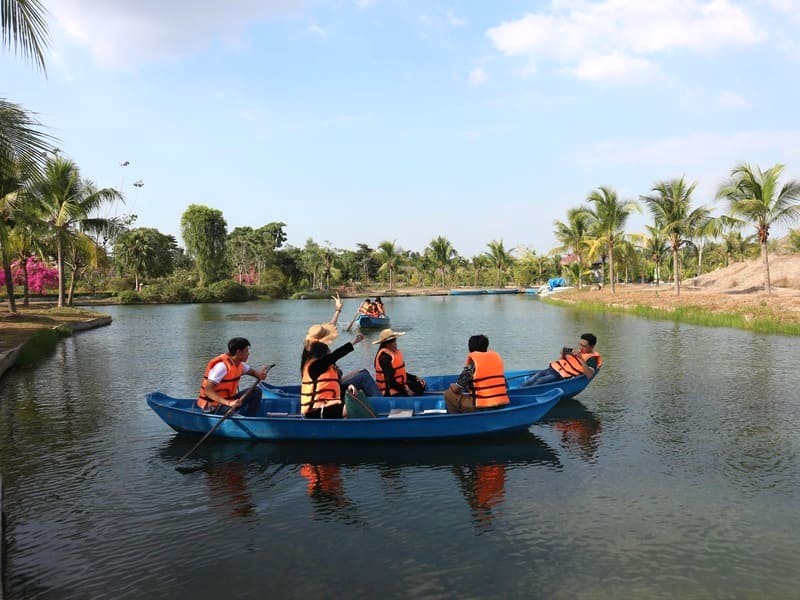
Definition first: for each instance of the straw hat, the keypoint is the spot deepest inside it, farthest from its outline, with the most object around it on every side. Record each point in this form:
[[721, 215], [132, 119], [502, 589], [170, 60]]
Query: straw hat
[[324, 332], [388, 334]]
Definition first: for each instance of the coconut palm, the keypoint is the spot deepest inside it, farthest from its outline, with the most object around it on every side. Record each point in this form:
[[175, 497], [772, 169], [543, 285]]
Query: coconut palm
[[572, 235], [441, 253], [66, 205], [754, 196], [670, 205], [499, 257], [390, 256], [607, 224], [25, 28]]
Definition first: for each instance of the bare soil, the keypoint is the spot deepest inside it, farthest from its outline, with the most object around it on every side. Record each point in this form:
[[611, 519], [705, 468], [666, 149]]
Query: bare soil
[[737, 288]]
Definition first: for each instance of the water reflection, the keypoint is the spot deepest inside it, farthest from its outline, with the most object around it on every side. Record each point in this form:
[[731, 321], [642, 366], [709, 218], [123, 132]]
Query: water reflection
[[579, 428], [480, 467], [484, 488]]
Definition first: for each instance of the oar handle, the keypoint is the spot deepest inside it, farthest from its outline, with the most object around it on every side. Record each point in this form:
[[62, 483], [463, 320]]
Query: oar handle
[[349, 327]]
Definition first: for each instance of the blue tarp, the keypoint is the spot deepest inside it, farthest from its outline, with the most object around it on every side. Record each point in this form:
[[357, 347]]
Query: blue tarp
[[556, 282]]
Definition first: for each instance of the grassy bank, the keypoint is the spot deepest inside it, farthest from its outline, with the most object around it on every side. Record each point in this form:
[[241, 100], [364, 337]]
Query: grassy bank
[[762, 316]]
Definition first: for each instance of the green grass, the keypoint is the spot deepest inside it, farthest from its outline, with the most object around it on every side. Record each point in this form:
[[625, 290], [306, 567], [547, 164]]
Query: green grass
[[694, 315], [41, 344]]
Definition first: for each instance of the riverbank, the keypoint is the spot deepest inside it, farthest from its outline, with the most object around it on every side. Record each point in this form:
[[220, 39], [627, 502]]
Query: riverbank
[[729, 297], [19, 328]]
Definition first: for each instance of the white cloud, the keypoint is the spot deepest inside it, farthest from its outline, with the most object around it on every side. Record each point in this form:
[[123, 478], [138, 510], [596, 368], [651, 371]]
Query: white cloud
[[612, 38], [689, 152], [317, 30], [477, 76], [614, 67], [129, 32]]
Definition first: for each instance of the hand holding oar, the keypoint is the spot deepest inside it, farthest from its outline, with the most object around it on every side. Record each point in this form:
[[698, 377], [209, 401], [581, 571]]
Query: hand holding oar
[[227, 414]]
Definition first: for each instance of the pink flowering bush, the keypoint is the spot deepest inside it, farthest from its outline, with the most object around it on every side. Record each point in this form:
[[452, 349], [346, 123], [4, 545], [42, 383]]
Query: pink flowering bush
[[41, 277]]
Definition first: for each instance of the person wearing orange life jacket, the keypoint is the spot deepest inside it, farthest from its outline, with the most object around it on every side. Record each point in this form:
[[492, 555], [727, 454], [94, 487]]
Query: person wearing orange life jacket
[[379, 308], [573, 362], [390, 368], [219, 389], [481, 384], [321, 385]]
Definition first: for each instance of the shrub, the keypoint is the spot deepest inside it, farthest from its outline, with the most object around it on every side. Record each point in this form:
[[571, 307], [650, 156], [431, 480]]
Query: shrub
[[129, 297], [230, 291], [203, 295]]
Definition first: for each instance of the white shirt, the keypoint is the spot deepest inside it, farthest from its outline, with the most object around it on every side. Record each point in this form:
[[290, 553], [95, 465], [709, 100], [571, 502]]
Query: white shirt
[[220, 370]]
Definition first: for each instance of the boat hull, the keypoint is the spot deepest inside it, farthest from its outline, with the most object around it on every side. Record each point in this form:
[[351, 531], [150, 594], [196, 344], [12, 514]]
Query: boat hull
[[183, 416], [367, 322]]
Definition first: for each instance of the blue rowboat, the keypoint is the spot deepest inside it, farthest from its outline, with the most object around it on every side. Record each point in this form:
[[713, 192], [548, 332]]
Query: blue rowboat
[[422, 417], [467, 292], [367, 322], [438, 383], [502, 291]]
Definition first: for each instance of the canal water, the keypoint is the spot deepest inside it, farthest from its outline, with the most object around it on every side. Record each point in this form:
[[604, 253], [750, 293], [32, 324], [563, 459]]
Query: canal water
[[674, 474]]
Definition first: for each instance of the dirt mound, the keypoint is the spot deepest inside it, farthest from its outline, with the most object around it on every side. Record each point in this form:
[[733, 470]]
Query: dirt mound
[[748, 276]]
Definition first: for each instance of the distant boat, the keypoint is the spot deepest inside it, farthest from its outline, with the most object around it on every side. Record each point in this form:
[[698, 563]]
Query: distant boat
[[532, 291], [502, 291], [467, 292], [368, 322]]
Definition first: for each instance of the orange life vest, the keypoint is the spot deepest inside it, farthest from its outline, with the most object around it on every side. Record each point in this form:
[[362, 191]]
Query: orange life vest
[[570, 366], [399, 366], [488, 380], [325, 391], [226, 388]]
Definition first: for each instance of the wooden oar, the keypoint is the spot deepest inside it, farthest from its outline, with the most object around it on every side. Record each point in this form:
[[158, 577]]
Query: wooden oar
[[349, 327], [211, 431]]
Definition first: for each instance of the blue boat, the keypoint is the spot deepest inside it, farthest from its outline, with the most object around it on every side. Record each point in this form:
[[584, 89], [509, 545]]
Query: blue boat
[[467, 292], [495, 291], [438, 383], [368, 322], [423, 417]]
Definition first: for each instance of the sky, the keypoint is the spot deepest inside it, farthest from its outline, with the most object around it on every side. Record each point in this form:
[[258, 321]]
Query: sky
[[360, 121]]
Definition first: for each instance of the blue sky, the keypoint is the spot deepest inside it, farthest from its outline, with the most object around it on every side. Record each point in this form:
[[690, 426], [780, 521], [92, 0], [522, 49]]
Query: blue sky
[[369, 120]]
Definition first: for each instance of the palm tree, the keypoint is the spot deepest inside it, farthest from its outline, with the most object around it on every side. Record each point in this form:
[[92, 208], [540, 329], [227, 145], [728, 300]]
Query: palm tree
[[607, 223], [441, 253], [25, 28], [390, 255], [670, 205], [500, 258], [655, 249], [66, 204], [754, 196], [572, 235]]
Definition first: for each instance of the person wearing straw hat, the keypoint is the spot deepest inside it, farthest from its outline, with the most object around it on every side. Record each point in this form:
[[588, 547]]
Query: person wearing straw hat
[[321, 388], [390, 368], [482, 383]]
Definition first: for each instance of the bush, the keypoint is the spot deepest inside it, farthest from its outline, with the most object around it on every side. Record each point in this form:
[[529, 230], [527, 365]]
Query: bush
[[203, 295], [230, 291], [129, 297]]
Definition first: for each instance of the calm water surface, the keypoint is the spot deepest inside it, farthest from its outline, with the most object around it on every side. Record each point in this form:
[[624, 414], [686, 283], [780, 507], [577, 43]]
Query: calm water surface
[[676, 473]]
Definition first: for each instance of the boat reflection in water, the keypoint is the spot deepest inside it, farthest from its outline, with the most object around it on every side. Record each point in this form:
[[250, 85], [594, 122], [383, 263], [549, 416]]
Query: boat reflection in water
[[330, 470], [579, 427]]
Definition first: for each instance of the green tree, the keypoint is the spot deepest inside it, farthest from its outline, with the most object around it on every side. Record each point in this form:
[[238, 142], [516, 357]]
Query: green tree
[[670, 205], [500, 259], [755, 196], [66, 205], [24, 24], [390, 257], [441, 253], [204, 232], [572, 235], [607, 224], [793, 240], [145, 252]]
